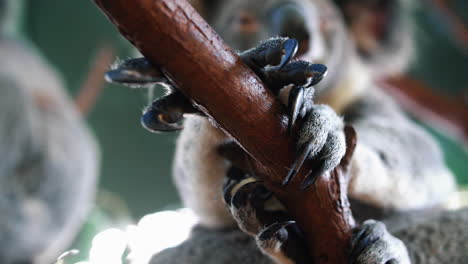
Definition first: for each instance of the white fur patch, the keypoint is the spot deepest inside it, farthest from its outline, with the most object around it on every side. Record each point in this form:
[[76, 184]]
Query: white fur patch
[[199, 172], [356, 82]]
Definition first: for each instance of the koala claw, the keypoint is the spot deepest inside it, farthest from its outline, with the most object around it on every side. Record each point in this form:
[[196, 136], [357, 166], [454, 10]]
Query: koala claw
[[302, 154], [138, 72], [271, 238], [275, 51], [295, 105], [289, 49], [313, 176], [373, 244], [164, 114], [274, 231], [246, 198]]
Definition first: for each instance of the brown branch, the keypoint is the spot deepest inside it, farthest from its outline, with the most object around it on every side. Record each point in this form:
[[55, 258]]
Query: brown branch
[[449, 114], [93, 85], [456, 24], [173, 36]]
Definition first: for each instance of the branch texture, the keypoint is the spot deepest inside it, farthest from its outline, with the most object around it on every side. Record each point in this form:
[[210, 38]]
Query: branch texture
[[172, 35]]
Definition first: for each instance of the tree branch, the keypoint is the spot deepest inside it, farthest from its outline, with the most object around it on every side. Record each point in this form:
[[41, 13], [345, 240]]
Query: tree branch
[[173, 36], [93, 85], [450, 114]]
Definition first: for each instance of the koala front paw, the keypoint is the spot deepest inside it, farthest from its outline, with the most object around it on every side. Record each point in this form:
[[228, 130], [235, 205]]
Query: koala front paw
[[373, 244], [321, 139], [321, 135], [296, 77]]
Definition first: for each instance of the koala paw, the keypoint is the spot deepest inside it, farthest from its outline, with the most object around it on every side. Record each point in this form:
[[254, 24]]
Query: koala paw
[[373, 244], [321, 132], [321, 139], [259, 214]]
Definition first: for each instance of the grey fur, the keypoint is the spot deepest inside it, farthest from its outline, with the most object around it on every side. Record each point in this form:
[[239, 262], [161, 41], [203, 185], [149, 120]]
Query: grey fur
[[325, 129], [403, 154], [49, 163], [379, 246], [440, 239], [212, 246]]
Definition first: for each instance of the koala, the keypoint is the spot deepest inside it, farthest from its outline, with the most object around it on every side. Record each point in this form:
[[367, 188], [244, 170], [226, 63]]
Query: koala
[[49, 165], [397, 170]]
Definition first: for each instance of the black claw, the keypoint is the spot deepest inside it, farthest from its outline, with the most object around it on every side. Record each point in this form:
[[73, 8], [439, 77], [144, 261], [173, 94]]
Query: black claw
[[313, 176], [276, 52], [300, 73], [164, 114], [137, 71], [158, 121], [302, 154], [358, 249], [309, 181], [360, 242], [289, 49], [317, 72], [246, 192], [275, 230], [234, 176], [295, 104]]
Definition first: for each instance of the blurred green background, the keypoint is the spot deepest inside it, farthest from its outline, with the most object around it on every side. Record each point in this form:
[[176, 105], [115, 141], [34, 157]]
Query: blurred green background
[[136, 165]]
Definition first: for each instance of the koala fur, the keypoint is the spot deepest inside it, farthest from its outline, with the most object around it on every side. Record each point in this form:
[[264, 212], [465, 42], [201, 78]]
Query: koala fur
[[49, 165]]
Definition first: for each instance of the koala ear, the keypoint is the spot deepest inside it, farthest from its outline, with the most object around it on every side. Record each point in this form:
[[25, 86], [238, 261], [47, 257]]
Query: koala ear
[[374, 24]]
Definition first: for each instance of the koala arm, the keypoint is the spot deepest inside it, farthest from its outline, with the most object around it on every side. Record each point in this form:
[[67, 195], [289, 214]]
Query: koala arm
[[396, 164]]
